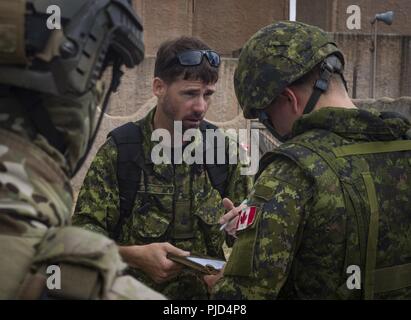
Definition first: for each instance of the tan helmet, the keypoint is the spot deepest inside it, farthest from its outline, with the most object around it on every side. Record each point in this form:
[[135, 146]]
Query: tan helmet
[[69, 60], [64, 63]]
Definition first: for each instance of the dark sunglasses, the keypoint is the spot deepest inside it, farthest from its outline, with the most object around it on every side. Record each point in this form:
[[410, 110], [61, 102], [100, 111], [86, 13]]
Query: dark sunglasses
[[195, 57]]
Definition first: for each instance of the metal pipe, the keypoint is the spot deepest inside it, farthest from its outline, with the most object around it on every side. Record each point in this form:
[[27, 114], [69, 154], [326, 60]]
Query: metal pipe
[[374, 67], [293, 10]]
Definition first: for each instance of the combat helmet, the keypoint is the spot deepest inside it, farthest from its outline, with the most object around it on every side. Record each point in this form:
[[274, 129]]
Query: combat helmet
[[276, 56], [38, 55]]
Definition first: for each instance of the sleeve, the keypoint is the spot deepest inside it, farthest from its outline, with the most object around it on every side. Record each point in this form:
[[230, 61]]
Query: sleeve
[[239, 184], [237, 189], [262, 255], [97, 207]]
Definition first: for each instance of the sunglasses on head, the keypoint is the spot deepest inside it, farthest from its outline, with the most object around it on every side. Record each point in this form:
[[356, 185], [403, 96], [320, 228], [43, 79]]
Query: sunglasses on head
[[195, 57]]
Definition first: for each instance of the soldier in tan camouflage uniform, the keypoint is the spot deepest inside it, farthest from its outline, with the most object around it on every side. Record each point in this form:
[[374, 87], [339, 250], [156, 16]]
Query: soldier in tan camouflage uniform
[[49, 90], [329, 215], [174, 207]]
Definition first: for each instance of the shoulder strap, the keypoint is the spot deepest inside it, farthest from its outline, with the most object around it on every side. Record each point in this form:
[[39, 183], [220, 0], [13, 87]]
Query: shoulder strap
[[362, 235], [218, 173], [357, 217], [129, 141]]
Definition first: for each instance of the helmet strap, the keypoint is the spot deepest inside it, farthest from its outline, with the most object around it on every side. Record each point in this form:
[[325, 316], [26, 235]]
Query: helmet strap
[[330, 65], [265, 120], [115, 82]]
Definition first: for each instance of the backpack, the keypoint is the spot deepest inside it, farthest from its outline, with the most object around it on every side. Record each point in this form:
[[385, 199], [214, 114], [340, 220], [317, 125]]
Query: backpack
[[349, 164], [128, 139]]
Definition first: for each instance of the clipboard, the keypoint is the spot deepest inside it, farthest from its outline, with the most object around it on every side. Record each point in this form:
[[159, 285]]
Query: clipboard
[[203, 264]]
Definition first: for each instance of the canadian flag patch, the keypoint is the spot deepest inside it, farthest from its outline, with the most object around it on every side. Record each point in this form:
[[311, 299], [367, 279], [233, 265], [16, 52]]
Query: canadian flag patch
[[246, 218]]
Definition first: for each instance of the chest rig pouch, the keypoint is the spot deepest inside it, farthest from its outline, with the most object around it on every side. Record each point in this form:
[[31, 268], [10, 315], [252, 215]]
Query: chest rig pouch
[[183, 224], [131, 166]]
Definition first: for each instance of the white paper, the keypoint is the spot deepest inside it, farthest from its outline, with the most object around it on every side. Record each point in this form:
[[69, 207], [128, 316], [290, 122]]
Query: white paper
[[216, 264]]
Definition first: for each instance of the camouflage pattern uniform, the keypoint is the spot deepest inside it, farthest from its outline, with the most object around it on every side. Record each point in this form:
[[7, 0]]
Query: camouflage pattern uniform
[[46, 131], [335, 195], [35, 204], [296, 247], [192, 225]]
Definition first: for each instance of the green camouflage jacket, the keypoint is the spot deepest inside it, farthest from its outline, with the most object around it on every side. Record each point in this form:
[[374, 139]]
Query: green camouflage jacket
[[35, 207], [336, 195], [184, 209]]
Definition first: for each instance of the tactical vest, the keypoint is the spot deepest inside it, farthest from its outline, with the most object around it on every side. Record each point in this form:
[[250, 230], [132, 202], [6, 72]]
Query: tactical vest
[[131, 164], [360, 169]]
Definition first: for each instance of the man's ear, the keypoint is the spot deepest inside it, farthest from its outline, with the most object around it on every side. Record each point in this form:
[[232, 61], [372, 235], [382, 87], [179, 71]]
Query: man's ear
[[292, 99], [159, 87]]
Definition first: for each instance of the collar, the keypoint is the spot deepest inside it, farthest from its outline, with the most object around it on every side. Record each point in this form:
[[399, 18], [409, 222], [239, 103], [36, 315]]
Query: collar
[[353, 123]]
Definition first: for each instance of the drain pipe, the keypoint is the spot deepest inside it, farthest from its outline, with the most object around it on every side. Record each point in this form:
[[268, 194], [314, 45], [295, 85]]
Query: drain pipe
[[293, 10]]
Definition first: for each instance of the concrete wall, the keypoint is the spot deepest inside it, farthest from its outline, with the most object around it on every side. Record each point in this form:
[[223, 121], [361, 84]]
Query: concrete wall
[[227, 24], [224, 24], [331, 15], [393, 77], [163, 20], [401, 105]]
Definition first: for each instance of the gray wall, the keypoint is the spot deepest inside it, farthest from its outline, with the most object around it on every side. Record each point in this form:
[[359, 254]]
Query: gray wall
[[393, 77]]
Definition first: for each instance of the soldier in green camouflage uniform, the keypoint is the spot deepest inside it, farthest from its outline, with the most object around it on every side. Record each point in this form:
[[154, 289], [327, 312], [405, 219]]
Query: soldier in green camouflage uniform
[[335, 195], [176, 208], [47, 113]]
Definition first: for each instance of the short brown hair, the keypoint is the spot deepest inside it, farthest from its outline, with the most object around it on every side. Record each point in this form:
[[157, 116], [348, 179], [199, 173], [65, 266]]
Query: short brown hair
[[169, 73]]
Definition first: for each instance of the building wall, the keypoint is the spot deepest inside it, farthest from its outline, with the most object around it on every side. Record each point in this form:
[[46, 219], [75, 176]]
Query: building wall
[[163, 20], [224, 24], [331, 15], [227, 24], [393, 76]]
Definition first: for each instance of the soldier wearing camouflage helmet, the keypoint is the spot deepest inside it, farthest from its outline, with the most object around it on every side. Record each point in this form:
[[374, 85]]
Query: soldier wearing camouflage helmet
[[50, 87], [334, 198]]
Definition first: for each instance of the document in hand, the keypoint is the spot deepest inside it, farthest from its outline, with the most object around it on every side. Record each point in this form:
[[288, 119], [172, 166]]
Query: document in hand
[[205, 265]]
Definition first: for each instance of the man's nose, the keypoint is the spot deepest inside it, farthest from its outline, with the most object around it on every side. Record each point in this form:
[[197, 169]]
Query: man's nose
[[201, 105]]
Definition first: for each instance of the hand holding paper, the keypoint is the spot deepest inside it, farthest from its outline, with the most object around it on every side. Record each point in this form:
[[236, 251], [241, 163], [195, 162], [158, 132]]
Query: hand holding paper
[[229, 220], [203, 264], [152, 260]]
